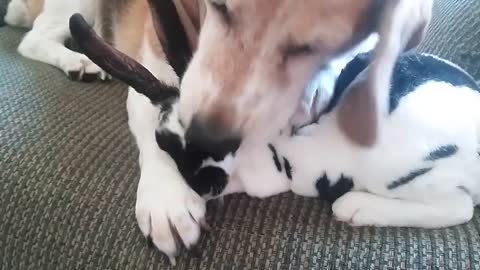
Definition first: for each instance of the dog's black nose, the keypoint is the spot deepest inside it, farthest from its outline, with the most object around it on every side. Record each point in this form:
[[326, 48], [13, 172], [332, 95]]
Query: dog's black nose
[[211, 140]]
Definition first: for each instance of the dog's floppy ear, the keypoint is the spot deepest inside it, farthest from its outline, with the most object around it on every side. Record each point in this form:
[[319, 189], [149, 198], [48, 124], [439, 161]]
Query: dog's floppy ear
[[173, 32], [192, 14], [402, 26]]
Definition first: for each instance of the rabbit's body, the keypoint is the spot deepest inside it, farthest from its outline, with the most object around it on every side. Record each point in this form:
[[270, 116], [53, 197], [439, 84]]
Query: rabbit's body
[[423, 171]]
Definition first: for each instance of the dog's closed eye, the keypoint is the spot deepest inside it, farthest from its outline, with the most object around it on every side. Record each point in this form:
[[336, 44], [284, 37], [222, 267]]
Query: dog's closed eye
[[292, 51], [221, 7], [300, 49]]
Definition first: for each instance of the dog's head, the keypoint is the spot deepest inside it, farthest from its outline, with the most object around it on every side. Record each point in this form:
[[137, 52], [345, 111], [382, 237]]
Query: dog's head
[[255, 57]]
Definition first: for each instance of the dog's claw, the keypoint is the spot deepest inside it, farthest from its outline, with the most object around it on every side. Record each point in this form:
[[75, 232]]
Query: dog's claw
[[205, 226], [168, 219], [149, 241], [89, 77], [196, 252], [221, 201], [172, 260], [74, 75]]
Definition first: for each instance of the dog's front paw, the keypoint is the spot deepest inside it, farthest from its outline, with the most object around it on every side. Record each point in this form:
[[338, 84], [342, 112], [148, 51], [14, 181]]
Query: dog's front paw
[[167, 210], [78, 67], [358, 209]]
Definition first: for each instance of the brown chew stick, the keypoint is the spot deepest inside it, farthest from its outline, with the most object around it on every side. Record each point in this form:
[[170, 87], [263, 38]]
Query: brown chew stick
[[118, 64]]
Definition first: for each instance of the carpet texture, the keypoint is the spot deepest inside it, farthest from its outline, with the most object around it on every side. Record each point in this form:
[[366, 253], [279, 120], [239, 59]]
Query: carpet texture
[[3, 10], [68, 176], [455, 33]]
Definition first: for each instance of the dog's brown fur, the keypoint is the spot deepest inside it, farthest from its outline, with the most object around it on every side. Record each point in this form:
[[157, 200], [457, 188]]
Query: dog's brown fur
[[244, 78], [35, 7], [131, 26]]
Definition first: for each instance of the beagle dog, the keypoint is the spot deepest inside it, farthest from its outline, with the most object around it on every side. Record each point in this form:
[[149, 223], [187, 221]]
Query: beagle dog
[[250, 63]]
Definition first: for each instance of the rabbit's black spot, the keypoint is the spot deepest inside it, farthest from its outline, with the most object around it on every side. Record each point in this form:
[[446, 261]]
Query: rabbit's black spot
[[441, 152], [331, 193], [323, 185], [189, 160], [342, 186], [288, 168], [209, 180], [408, 178], [276, 160], [411, 71]]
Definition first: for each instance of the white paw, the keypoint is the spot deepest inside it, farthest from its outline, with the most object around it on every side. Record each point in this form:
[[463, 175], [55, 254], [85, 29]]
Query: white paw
[[168, 209], [79, 67], [357, 209]]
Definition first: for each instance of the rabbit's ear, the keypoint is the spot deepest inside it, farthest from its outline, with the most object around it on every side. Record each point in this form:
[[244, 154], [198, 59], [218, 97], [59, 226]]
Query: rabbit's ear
[[402, 26]]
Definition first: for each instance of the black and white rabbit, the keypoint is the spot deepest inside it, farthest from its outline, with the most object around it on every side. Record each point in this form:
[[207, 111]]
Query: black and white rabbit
[[424, 170]]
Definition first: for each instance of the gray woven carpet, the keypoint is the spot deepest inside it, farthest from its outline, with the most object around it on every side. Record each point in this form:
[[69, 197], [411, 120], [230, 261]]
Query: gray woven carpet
[[68, 176], [455, 33]]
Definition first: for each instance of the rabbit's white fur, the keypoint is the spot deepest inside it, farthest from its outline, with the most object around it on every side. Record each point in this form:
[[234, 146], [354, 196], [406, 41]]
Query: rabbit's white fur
[[424, 171], [425, 120]]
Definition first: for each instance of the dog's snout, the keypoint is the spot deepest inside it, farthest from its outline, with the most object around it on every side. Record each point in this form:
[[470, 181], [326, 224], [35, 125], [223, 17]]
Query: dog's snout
[[211, 138]]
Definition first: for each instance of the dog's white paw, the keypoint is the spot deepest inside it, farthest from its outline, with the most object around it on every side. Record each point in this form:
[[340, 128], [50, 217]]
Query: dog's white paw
[[168, 210], [357, 209], [79, 67]]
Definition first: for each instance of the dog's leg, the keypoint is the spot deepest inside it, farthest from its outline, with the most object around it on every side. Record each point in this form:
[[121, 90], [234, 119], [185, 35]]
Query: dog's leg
[[44, 42], [165, 203], [435, 211]]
